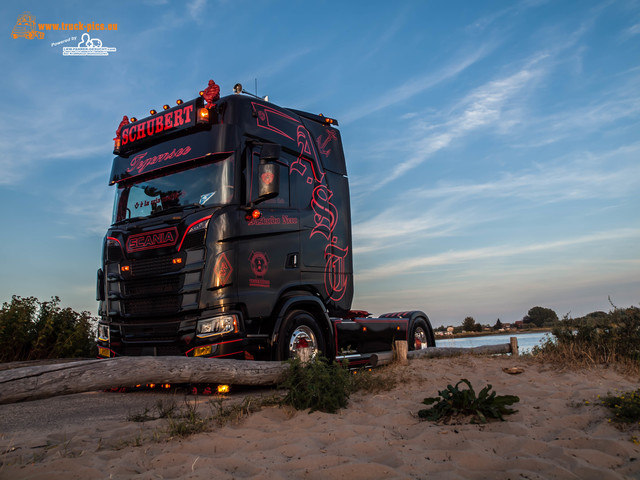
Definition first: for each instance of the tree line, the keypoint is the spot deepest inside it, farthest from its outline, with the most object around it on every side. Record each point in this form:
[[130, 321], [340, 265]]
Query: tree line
[[35, 330], [536, 317]]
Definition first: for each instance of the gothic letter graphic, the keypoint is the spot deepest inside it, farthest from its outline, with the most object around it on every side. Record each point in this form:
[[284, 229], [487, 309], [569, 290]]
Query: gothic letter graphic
[[335, 278], [325, 213]]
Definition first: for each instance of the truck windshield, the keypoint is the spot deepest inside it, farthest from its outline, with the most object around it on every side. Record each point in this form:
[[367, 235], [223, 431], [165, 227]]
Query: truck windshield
[[204, 185]]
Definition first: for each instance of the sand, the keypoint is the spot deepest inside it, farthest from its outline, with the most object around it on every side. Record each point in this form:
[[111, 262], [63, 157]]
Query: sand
[[554, 434]]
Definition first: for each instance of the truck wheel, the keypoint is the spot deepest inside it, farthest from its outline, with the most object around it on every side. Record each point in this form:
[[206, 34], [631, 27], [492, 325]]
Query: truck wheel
[[419, 338], [300, 337]]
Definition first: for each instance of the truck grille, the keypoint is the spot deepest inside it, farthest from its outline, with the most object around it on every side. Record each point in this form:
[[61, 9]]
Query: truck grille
[[150, 333], [152, 266], [151, 286], [166, 305]]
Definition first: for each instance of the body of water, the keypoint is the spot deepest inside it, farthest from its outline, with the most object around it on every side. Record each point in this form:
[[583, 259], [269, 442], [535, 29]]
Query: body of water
[[526, 341]]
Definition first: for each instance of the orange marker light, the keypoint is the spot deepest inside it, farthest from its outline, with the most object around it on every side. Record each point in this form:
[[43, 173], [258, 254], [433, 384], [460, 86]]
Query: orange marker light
[[256, 214], [203, 114], [177, 261], [152, 111], [165, 107], [179, 101], [125, 268]]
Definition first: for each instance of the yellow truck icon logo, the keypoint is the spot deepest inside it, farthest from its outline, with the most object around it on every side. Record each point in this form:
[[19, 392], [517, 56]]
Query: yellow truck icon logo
[[26, 27]]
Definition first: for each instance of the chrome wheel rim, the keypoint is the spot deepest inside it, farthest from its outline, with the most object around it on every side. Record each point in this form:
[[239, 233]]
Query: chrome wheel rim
[[419, 339], [303, 343]]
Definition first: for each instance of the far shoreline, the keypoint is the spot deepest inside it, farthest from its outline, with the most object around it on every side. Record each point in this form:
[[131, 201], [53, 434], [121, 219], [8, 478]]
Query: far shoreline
[[487, 334]]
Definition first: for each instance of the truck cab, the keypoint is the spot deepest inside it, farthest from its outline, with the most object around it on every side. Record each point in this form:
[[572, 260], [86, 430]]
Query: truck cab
[[231, 237]]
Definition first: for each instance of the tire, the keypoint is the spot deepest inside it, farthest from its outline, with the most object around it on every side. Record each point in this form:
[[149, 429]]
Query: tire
[[420, 337], [300, 337]]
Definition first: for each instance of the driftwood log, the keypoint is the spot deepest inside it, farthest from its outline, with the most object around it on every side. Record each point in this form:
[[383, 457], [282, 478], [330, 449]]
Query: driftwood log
[[385, 358], [31, 383], [35, 382]]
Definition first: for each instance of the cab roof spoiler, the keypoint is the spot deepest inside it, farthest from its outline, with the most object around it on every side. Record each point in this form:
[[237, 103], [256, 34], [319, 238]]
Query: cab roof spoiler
[[316, 118]]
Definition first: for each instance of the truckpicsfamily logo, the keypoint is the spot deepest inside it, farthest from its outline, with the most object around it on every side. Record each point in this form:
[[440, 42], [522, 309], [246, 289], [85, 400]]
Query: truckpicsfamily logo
[[88, 47], [26, 27], [166, 237]]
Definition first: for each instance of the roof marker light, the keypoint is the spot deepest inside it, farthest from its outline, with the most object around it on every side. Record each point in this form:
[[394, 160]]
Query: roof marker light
[[133, 119], [203, 115], [179, 101], [165, 107], [152, 111]]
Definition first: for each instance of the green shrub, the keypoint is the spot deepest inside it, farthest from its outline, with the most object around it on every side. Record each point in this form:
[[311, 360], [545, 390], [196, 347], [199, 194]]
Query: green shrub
[[317, 385], [34, 330], [597, 338], [454, 403]]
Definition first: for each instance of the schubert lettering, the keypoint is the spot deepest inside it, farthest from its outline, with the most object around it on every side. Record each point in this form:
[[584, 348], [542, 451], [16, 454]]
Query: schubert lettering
[[158, 124]]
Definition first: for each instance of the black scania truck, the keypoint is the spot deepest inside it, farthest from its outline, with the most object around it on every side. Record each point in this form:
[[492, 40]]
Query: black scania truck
[[231, 237]]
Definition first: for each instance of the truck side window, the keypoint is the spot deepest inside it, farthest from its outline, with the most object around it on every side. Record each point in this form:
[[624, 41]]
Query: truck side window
[[282, 200]]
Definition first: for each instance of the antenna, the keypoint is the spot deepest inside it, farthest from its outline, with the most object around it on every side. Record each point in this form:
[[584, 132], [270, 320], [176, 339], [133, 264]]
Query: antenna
[[256, 87]]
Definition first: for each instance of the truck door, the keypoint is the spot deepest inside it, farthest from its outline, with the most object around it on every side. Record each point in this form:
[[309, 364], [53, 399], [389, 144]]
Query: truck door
[[269, 246]]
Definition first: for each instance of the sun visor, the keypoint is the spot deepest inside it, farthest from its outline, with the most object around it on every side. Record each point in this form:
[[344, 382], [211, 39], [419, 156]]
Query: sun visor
[[222, 140]]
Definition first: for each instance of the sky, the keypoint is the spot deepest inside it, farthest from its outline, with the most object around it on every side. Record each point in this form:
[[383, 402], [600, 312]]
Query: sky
[[492, 147]]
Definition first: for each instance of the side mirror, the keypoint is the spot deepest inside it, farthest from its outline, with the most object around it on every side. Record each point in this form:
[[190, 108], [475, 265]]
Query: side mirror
[[100, 286], [270, 152], [269, 181], [268, 172]]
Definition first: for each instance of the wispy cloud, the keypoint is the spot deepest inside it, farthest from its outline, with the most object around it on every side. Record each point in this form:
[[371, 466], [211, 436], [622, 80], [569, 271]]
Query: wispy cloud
[[196, 8], [587, 175], [453, 208], [415, 85], [633, 30], [483, 107], [416, 264]]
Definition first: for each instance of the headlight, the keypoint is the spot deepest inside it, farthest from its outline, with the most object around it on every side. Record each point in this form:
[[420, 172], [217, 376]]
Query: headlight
[[103, 332], [217, 326]]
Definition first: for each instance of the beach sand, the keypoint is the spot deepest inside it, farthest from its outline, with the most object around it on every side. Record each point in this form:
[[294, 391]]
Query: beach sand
[[554, 434]]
